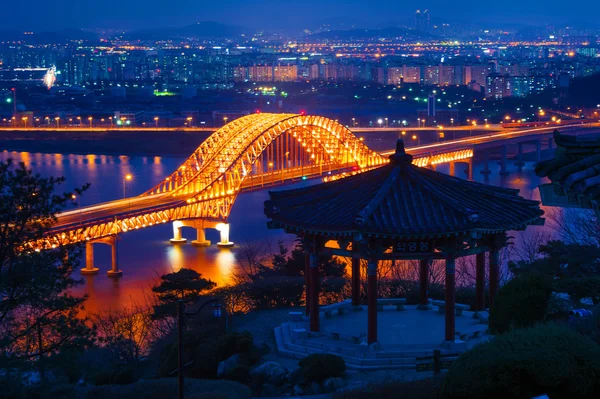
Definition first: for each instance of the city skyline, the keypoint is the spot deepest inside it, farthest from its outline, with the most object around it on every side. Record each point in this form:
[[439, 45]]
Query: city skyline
[[272, 15]]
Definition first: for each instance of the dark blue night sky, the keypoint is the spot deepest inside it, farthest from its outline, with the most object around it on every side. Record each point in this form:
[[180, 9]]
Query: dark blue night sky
[[275, 14]]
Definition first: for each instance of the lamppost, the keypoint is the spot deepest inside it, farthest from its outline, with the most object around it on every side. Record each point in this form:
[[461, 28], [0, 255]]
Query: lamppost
[[24, 119], [353, 122], [180, 329], [90, 119], [79, 120], [156, 121], [189, 119], [128, 177], [419, 122], [380, 122], [386, 122], [57, 119], [225, 120]]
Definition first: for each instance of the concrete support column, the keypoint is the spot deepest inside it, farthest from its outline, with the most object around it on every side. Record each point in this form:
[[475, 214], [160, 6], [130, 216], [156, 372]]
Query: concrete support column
[[114, 270], [450, 299], [314, 293], [470, 165], [372, 301], [201, 240], [452, 169], [538, 150], [223, 228], [494, 275], [486, 166], [177, 237], [503, 170], [424, 285], [480, 281], [520, 162], [307, 282], [355, 279], [89, 260]]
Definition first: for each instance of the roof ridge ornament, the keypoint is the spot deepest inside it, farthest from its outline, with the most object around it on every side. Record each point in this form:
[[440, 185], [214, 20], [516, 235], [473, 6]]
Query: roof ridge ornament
[[400, 156]]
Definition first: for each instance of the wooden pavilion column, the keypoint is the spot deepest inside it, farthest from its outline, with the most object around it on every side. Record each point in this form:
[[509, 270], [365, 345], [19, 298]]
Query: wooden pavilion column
[[450, 298], [494, 274], [424, 284], [314, 291], [355, 279], [480, 281], [307, 281], [372, 301]]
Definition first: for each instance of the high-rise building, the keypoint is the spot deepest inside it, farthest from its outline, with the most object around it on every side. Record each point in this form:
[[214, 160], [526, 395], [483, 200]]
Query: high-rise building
[[411, 74], [394, 76], [422, 21], [432, 75]]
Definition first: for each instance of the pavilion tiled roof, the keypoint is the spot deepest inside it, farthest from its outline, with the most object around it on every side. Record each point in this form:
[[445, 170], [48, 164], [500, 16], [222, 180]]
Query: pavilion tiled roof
[[403, 201], [576, 166]]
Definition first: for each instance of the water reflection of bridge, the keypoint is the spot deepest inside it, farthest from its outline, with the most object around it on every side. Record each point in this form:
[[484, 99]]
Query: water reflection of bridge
[[252, 152]]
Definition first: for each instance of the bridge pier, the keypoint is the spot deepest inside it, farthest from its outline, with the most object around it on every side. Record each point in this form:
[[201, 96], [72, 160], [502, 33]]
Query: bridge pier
[[452, 170], [503, 170], [177, 237], [90, 268], [201, 225], [223, 228], [201, 240], [486, 166], [470, 170], [520, 162]]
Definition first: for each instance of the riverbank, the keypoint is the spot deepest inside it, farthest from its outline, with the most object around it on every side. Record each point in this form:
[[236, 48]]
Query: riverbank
[[122, 142]]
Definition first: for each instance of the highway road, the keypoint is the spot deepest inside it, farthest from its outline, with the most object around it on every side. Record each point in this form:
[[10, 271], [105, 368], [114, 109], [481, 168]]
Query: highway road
[[469, 142]]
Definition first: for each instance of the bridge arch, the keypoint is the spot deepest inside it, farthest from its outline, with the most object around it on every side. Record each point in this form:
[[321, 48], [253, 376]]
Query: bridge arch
[[299, 145], [231, 160]]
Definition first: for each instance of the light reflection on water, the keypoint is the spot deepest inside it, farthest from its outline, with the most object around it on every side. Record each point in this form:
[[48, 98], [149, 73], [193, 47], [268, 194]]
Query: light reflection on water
[[146, 254]]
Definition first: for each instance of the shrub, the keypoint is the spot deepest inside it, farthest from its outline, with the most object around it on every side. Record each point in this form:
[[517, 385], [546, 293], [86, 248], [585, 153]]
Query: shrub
[[318, 367], [521, 302], [524, 363], [206, 351]]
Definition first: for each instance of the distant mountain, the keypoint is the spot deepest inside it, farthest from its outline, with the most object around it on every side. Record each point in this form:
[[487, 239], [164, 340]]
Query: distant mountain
[[363, 34], [200, 30], [50, 37]]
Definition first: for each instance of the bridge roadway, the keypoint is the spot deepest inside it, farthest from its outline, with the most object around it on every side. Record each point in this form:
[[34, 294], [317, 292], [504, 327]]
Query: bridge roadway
[[131, 206], [492, 139]]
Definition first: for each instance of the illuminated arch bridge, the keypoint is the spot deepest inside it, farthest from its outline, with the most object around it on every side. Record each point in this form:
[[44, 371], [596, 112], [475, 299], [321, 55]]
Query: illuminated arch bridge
[[248, 153]]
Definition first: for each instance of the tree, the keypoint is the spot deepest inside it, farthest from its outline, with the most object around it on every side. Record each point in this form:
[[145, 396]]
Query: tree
[[574, 267], [520, 303], [38, 316], [186, 285]]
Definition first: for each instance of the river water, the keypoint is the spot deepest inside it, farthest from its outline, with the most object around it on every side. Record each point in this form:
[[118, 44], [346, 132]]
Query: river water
[[146, 254]]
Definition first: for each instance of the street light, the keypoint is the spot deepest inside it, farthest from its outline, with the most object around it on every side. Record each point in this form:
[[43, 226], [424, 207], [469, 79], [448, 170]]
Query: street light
[[379, 121], [189, 119], [24, 119], [57, 119], [225, 120], [90, 119], [128, 177], [156, 120]]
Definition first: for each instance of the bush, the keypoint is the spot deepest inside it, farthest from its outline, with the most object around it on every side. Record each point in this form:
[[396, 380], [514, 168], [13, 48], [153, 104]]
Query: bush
[[318, 367], [419, 389], [206, 350], [522, 302], [524, 363]]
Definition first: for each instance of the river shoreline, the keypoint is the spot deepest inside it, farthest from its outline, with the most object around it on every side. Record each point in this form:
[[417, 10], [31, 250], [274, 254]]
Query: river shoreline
[[131, 143]]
